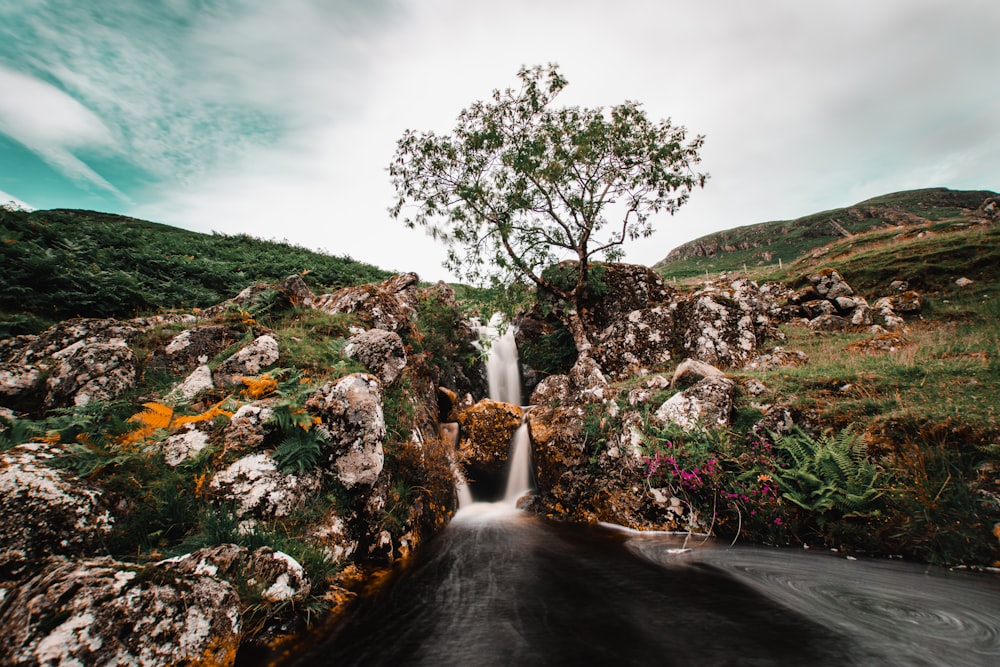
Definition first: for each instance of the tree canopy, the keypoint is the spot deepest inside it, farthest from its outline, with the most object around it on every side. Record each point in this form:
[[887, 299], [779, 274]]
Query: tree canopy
[[520, 185]]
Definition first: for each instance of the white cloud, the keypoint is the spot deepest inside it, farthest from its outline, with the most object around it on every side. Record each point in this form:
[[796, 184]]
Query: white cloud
[[52, 124]]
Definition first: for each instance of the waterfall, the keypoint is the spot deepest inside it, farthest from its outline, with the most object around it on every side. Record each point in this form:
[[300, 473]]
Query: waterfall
[[502, 370], [518, 466], [504, 377]]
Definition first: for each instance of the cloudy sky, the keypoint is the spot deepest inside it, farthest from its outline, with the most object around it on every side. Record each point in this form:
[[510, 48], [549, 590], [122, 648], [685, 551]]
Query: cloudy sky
[[278, 119]]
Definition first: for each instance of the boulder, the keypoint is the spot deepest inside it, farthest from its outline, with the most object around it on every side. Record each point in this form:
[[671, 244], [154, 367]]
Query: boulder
[[46, 509], [779, 357], [297, 292], [192, 348], [829, 284], [185, 444], [254, 487], [390, 305], [964, 282], [247, 300], [247, 362], [351, 413], [485, 432], [553, 390], [691, 371], [647, 390], [56, 340], [708, 403], [640, 340], [89, 371], [247, 428], [381, 351], [102, 612], [879, 344], [198, 381], [626, 288], [813, 309], [829, 323], [723, 328], [272, 576], [18, 382]]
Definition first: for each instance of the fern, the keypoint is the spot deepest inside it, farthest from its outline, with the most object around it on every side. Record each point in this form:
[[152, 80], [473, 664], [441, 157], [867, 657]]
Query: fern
[[829, 476], [300, 451]]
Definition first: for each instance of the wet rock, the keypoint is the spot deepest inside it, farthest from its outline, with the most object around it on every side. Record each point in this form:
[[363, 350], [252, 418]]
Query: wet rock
[[255, 487], [708, 403], [247, 362], [47, 510], [485, 431], [390, 305], [192, 348], [102, 612], [691, 371], [380, 351], [351, 413]]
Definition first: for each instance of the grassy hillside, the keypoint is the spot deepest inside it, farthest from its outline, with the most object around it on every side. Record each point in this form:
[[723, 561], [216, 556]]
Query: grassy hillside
[[764, 244], [63, 263]]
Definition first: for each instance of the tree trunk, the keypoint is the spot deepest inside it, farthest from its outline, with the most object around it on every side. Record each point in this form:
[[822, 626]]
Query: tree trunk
[[579, 331]]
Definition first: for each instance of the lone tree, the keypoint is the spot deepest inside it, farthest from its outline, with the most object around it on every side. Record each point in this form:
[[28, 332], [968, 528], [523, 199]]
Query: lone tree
[[520, 185]]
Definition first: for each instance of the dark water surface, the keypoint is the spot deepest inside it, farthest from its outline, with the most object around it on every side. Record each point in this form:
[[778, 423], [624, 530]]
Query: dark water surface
[[519, 590]]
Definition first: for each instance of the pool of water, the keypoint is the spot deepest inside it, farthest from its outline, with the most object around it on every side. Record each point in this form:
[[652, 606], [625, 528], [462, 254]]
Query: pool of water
[[501, 587]]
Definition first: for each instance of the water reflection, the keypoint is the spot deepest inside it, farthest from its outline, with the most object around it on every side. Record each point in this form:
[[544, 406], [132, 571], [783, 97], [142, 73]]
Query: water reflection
[[518, 590]]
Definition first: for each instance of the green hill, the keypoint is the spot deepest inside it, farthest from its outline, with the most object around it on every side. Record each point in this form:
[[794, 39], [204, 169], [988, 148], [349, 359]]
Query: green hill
[[65, 263], [780, 242]]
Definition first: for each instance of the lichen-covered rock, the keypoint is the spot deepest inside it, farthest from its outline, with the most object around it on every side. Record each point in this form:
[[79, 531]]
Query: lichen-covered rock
[[46, 510], [55, 341], [351, 413], [830, 284], [246, 300], [716, 331], [829, 323], [650, 388], [380, 351], [883, 343], [819, 307], [297, 291], [91, 371], [198, 381], [390, 305], [271, 576], [183, 445], [708, 403], [247, 362], [247, 428], [485, 431], [907, 303], [102, 612], [627, 288], [640, 340], [255, 487], [192, 348], [691, 371], [779, 357], [19, 381], [588, 380], [552, 390]]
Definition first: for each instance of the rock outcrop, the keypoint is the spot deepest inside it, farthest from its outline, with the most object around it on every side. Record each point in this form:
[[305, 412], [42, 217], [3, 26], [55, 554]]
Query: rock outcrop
[[103, 612]]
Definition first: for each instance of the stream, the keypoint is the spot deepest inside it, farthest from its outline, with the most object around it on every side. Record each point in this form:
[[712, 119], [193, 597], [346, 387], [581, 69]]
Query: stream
[[504, 587]]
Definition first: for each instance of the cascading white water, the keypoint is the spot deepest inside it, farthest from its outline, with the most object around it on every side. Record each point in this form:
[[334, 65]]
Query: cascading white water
[[502, 370], [504, 377]]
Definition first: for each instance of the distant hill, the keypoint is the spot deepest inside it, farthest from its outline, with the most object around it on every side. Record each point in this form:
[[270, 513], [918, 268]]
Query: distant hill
[[767, 243], [65, 263]]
